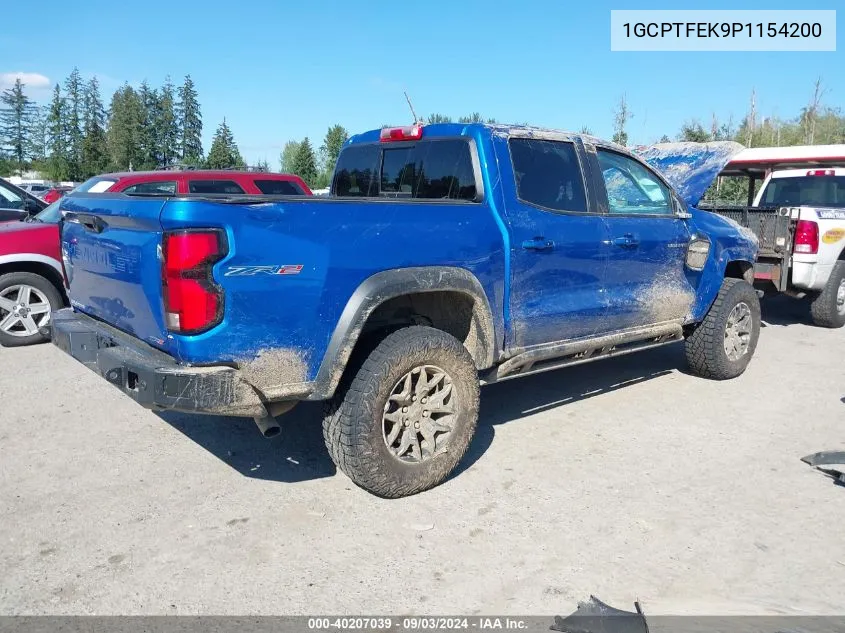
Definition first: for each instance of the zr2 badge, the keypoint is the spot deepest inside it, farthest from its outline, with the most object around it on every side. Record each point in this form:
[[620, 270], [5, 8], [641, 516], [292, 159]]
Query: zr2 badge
[[251, 271]]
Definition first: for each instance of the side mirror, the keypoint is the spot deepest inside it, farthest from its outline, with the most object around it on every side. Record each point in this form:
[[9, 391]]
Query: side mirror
[[31, 206]]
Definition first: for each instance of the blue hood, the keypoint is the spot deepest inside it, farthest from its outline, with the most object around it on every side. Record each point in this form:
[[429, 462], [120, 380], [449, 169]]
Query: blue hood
[[690, 167]]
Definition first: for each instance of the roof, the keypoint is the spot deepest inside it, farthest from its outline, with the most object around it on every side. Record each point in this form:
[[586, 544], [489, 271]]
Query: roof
[[760, 159], [206, 173]]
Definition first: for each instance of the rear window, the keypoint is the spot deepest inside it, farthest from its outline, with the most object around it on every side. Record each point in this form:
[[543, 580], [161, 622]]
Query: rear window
[[811, 191], [162, 188], [426, 170], [548, 174], [214, 186], [279, 188], [96, 185]]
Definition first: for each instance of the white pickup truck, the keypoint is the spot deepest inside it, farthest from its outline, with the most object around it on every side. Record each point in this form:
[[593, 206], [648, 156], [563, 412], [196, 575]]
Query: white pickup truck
[[797, 215]]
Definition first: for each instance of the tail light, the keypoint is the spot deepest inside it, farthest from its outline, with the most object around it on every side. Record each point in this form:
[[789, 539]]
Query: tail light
[[807, 237], [193, 303], [407, 133]]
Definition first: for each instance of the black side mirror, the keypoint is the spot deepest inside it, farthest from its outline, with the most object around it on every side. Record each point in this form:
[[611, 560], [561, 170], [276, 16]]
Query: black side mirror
[[31, 206]]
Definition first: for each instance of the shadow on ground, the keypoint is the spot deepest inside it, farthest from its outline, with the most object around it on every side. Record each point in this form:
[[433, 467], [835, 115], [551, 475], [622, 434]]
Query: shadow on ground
[[299, 454]]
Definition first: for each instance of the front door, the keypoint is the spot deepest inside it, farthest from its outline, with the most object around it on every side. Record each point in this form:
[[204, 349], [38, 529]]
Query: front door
[[557, 238], [646, 281]]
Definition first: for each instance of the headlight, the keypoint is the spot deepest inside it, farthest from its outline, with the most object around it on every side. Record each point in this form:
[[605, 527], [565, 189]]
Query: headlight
[[697, 252]]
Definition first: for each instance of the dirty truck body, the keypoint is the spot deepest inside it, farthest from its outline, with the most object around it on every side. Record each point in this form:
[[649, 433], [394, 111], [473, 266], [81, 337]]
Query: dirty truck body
[[447, 256]]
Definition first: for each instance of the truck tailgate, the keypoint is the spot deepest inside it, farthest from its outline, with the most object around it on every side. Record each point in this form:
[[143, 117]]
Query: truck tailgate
[[771, 226], [110, 246]]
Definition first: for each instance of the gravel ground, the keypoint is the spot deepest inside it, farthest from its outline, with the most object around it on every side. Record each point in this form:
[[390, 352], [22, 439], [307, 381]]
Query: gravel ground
[[627, 479]]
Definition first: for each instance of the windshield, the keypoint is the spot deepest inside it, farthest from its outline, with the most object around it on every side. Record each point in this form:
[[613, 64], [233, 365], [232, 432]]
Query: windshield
[[809, 191], [50, 214]]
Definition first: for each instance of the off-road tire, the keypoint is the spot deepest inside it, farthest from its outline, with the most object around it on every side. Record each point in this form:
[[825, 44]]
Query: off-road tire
[[705, 346], [352, 422], [43, 285], [823, 308]]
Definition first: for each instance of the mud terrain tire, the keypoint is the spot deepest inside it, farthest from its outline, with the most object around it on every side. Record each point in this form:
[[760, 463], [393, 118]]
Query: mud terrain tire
[[410, 367], [736, 306]]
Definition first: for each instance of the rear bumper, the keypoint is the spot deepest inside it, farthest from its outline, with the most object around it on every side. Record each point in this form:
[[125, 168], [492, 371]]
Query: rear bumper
[[150, 377]]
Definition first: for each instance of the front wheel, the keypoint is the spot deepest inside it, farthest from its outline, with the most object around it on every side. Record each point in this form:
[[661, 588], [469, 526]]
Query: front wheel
[[722, 345], [408, 415], [26, 301]]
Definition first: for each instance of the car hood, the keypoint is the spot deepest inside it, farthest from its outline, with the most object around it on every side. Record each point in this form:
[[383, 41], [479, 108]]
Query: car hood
[[690, 167], [16, 226]]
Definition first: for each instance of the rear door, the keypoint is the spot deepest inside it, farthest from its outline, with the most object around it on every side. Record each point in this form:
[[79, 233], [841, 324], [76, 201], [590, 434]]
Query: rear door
[[558, 254], [646, 281]]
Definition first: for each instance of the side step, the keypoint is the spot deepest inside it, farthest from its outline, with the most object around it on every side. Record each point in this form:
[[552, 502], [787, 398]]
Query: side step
[[584, 351]]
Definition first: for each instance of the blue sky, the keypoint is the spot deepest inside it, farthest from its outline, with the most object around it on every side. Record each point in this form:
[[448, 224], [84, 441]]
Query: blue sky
[[280, 70]]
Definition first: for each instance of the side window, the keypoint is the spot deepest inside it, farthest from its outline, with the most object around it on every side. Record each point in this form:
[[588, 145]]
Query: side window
[[9, 199], [631, 188], [548, 174], [162, 188], [214, 186], [356, 172], [425, 170], [278, 188]]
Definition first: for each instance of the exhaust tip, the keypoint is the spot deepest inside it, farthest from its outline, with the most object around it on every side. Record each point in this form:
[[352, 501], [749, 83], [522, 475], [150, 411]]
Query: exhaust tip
[[268, 426], [272, 431]]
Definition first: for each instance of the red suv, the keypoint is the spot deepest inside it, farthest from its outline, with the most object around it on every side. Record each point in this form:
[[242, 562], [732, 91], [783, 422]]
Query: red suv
[[32, 277]]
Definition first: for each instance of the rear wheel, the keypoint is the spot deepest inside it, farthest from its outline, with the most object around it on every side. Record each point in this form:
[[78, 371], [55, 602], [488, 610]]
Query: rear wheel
[[828, 307], [408, 415], [722, 345], [26, 301]]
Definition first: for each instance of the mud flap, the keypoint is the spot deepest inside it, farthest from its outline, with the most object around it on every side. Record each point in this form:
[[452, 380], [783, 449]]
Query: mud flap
[[594, 616]]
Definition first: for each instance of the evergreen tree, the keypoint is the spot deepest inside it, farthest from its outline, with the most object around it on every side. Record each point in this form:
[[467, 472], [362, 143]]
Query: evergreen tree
[[16, 115], [40, 139], [305, 163], [475, 117], [189, 123], [74, 98], [224, 152], [166, 126], [438, 118], [694, 132], [288, 157], [57, 161], [94, 147], [147, 140], [263, 166], [332, 144], [126, 118]]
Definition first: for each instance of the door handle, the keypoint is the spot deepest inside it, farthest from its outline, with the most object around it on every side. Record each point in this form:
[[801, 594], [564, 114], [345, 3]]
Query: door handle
[[626, 241], [538, 244]]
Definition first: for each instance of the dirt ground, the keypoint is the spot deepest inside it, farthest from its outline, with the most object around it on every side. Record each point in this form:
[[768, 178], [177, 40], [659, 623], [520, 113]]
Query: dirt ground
[[627, 479]]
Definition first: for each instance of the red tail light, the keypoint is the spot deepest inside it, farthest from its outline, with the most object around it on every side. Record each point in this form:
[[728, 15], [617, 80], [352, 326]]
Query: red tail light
[[807, 237], [193, 303], [407, 133]]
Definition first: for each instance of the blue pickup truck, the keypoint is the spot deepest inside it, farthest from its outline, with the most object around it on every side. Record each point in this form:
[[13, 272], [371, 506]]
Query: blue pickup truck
[[446, 257]]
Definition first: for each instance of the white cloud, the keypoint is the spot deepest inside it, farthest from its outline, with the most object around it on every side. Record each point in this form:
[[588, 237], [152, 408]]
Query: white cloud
[[32, 81]]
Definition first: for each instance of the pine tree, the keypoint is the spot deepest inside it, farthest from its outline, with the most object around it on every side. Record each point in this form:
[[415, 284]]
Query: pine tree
[[438, 118], [94, 147], [40, 138], [305, 163], [166, 126], [475, 117], [73, 123], [16, 114], [287, 158], [124, 133], [332, 144], [147, 134], [57, 161], [189, 122], [224, 153]]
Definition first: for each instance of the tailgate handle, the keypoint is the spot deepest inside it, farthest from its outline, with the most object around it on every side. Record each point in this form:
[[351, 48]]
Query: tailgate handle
[[89, 222]]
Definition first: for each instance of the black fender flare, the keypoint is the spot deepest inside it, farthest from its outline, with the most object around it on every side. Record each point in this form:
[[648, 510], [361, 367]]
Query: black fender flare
[[390, 284]]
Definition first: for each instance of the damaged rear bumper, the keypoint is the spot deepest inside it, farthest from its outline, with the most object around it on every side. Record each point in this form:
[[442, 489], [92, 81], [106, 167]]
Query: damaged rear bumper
[[149, 376]]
